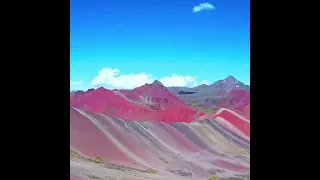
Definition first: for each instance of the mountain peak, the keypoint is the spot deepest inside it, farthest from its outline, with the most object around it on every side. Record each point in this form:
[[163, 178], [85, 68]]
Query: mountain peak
[[228, 84], [230, 77], [156, 82], [228, 80]]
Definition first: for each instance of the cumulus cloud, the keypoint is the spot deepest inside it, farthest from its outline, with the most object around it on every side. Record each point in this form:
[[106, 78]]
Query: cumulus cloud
[[202, 7], [113, 79], [76, 82], [175, 80]]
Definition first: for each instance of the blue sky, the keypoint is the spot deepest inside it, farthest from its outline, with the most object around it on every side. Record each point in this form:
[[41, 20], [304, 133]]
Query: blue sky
[[127, 43]]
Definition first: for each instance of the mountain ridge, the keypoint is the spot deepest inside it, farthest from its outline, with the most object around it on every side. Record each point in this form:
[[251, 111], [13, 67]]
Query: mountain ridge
[[226, 93], [157, 82]]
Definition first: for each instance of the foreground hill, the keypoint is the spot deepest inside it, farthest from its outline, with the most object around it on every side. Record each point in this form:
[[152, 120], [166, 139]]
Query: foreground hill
[[103, 147], [235, 121]]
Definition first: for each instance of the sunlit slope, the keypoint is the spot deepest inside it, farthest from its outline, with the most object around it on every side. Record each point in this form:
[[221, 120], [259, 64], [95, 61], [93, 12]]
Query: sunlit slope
[[200, 147], [235, 121]]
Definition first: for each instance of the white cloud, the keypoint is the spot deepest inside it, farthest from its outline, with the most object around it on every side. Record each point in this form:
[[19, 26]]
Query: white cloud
[[195, 84], [111, 78], [205, 82], [203, 6], [176, 80], [76, 82]]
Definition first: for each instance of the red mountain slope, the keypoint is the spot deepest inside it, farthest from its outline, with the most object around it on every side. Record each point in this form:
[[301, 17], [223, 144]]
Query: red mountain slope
[[239, 101], [151, 102], [234, 122], [155, 94]]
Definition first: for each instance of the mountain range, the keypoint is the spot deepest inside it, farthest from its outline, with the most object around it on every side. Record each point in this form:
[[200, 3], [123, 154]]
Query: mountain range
[[158, 132], [227, 93]]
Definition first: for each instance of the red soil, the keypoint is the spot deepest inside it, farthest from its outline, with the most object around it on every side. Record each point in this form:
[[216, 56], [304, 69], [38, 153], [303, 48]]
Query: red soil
[[239, 123], [134, 106], [240, 101]]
